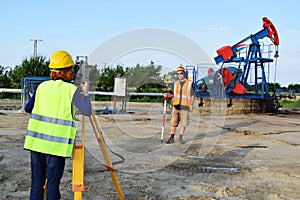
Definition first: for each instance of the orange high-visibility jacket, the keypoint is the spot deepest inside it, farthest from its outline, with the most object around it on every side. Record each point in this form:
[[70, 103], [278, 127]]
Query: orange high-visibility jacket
[[184, 92]]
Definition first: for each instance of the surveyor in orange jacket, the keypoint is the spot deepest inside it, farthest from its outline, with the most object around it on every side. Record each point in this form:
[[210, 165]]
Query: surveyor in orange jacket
[[183, 99]]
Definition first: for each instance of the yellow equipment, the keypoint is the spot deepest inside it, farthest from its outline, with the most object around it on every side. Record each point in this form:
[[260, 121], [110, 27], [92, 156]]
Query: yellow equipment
[[78, 165], [61, 59]]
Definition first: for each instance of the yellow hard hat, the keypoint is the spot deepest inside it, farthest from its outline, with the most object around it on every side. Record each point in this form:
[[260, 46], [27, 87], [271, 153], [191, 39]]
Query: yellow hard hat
[[61, 59]]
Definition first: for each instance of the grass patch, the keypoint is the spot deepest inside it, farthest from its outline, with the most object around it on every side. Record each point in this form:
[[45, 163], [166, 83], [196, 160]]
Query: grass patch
[[288, 103]]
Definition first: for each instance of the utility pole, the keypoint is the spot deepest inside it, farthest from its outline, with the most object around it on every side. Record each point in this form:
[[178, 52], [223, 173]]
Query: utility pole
[[35, 46]]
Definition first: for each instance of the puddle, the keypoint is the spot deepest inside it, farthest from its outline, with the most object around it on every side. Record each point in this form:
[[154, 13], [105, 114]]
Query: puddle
[[192, 156], [212, 169], [253, 146], [223, 169]]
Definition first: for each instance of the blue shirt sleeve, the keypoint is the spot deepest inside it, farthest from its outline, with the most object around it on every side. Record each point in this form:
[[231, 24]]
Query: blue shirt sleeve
[[29, 106], [82, 103]]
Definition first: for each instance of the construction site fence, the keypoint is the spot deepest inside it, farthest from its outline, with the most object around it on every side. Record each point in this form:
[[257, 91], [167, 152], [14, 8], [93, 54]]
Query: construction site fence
[[20, 91]]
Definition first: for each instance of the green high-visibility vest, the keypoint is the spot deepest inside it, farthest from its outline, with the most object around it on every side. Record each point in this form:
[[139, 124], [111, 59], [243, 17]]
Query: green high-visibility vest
[[52, 125]]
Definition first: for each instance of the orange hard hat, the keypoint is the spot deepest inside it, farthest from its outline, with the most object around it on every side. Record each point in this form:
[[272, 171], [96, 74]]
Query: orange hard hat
[[180, 69]]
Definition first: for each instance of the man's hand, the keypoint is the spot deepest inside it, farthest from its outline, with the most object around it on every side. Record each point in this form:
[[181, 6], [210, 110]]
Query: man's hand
[[167, 95], [191, 108]]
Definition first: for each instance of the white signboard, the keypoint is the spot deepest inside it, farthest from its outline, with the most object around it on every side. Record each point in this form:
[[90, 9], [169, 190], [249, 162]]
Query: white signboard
[[120, 87]]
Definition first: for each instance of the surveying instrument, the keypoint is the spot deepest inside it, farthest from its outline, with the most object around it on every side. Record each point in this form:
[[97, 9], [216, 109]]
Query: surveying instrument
[[82, 74]]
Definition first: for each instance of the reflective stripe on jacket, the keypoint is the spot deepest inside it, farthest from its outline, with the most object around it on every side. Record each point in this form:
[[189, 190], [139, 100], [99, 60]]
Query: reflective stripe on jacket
[[182, 95], [52, 126]]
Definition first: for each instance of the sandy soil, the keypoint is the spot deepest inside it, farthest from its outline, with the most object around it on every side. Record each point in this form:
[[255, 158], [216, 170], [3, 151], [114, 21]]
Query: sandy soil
[[253, 156]]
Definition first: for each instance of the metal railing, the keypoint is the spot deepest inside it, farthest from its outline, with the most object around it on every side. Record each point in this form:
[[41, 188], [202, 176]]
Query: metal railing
[[19, 91]]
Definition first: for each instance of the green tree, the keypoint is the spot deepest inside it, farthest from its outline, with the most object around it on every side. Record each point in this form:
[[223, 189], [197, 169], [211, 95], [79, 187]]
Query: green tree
[[94, 76], [5, 81], [107, 78], [295, 87], [143, 75], [36, 66], [273, 87], [33, 66]]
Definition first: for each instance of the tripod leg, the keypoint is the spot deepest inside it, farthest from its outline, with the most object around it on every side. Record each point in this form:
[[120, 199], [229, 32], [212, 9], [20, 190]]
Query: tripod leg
[[45, 189], [109, 165], [78, 165]]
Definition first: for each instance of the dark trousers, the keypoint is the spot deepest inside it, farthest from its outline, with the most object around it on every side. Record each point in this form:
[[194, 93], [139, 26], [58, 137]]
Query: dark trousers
[[45, 166]]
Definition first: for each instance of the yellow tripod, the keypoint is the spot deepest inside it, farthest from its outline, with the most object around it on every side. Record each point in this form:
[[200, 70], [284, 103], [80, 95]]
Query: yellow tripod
[[78, 161]]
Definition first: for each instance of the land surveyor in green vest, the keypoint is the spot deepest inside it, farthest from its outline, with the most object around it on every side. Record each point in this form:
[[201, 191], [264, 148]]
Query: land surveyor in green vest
[[52, 125]]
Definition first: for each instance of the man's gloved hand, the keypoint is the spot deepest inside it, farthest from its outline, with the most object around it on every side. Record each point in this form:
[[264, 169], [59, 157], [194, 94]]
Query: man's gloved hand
[[168, 96], [85, 88]]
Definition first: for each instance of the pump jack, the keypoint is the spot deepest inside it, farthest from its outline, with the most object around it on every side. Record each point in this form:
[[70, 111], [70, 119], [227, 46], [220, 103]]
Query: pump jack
[[241, 65]]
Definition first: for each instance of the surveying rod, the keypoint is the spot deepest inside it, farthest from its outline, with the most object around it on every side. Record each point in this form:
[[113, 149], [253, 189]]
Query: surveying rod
[[166, 81]]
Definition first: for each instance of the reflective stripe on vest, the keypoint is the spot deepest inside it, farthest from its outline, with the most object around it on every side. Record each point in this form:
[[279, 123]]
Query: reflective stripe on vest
[[53, 120], [185, 93], [51, 128], [50, 138]]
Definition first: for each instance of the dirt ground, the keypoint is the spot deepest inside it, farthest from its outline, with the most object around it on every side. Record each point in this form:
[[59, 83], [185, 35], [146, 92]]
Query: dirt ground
[[253, 156]]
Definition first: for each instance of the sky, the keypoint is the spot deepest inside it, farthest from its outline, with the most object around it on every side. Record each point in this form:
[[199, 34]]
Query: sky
[[79, 27]]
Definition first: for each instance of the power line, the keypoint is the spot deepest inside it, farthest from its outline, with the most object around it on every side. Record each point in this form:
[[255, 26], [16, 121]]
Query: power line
[[35, 46]]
